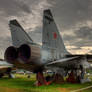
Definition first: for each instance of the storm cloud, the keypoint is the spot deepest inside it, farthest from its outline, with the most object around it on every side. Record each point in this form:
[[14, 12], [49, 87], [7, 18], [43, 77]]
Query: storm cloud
[[73, 19], [69, 13]]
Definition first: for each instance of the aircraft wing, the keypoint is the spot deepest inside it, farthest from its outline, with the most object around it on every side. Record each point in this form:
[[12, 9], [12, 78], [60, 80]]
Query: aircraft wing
[[70, 62], [66, 63], [63, 60]]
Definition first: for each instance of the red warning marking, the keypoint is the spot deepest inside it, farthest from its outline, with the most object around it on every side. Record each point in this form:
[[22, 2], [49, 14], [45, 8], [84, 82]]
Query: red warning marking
[[55, 35]]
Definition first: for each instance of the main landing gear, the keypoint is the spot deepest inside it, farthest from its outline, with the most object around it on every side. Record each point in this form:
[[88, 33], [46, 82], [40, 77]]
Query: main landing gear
[[55, 78], [77, 76], [41, 79]]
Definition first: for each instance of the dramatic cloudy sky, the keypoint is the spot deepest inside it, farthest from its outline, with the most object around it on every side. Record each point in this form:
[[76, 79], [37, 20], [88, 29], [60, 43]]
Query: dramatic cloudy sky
[[73, 18]]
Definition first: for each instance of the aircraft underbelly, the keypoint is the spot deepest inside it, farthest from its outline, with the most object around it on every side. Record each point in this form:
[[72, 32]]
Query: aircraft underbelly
[[75, 63]]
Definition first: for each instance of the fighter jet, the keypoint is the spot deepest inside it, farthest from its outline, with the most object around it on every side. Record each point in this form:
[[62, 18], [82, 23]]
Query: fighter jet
[[52, 55], [5, 69]]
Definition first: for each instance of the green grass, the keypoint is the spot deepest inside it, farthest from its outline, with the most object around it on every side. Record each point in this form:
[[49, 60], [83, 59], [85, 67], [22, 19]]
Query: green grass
[[22, 84]]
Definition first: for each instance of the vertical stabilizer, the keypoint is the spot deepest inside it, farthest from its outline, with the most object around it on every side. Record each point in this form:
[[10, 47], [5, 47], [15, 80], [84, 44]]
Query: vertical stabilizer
[[19, 36], [51, 37]]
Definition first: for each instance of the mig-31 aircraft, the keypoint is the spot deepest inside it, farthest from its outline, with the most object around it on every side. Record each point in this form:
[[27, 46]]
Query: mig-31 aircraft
[[52, 55]]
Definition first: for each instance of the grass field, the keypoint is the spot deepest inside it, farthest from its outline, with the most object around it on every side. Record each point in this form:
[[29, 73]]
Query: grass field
[[22, 84]]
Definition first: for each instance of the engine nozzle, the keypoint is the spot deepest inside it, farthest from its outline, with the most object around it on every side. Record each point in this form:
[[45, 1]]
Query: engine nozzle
[[29, 53], [24, 52], [11, 54]]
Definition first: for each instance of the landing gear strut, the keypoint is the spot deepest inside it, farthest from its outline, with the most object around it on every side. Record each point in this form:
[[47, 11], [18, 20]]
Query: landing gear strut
[[41, 79], [58, 79], [77, 75], [71, 77], [82, 72]]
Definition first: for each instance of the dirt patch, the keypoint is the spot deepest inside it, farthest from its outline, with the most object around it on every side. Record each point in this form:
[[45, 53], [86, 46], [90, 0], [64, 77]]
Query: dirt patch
[[6, 89], [64, 89]]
